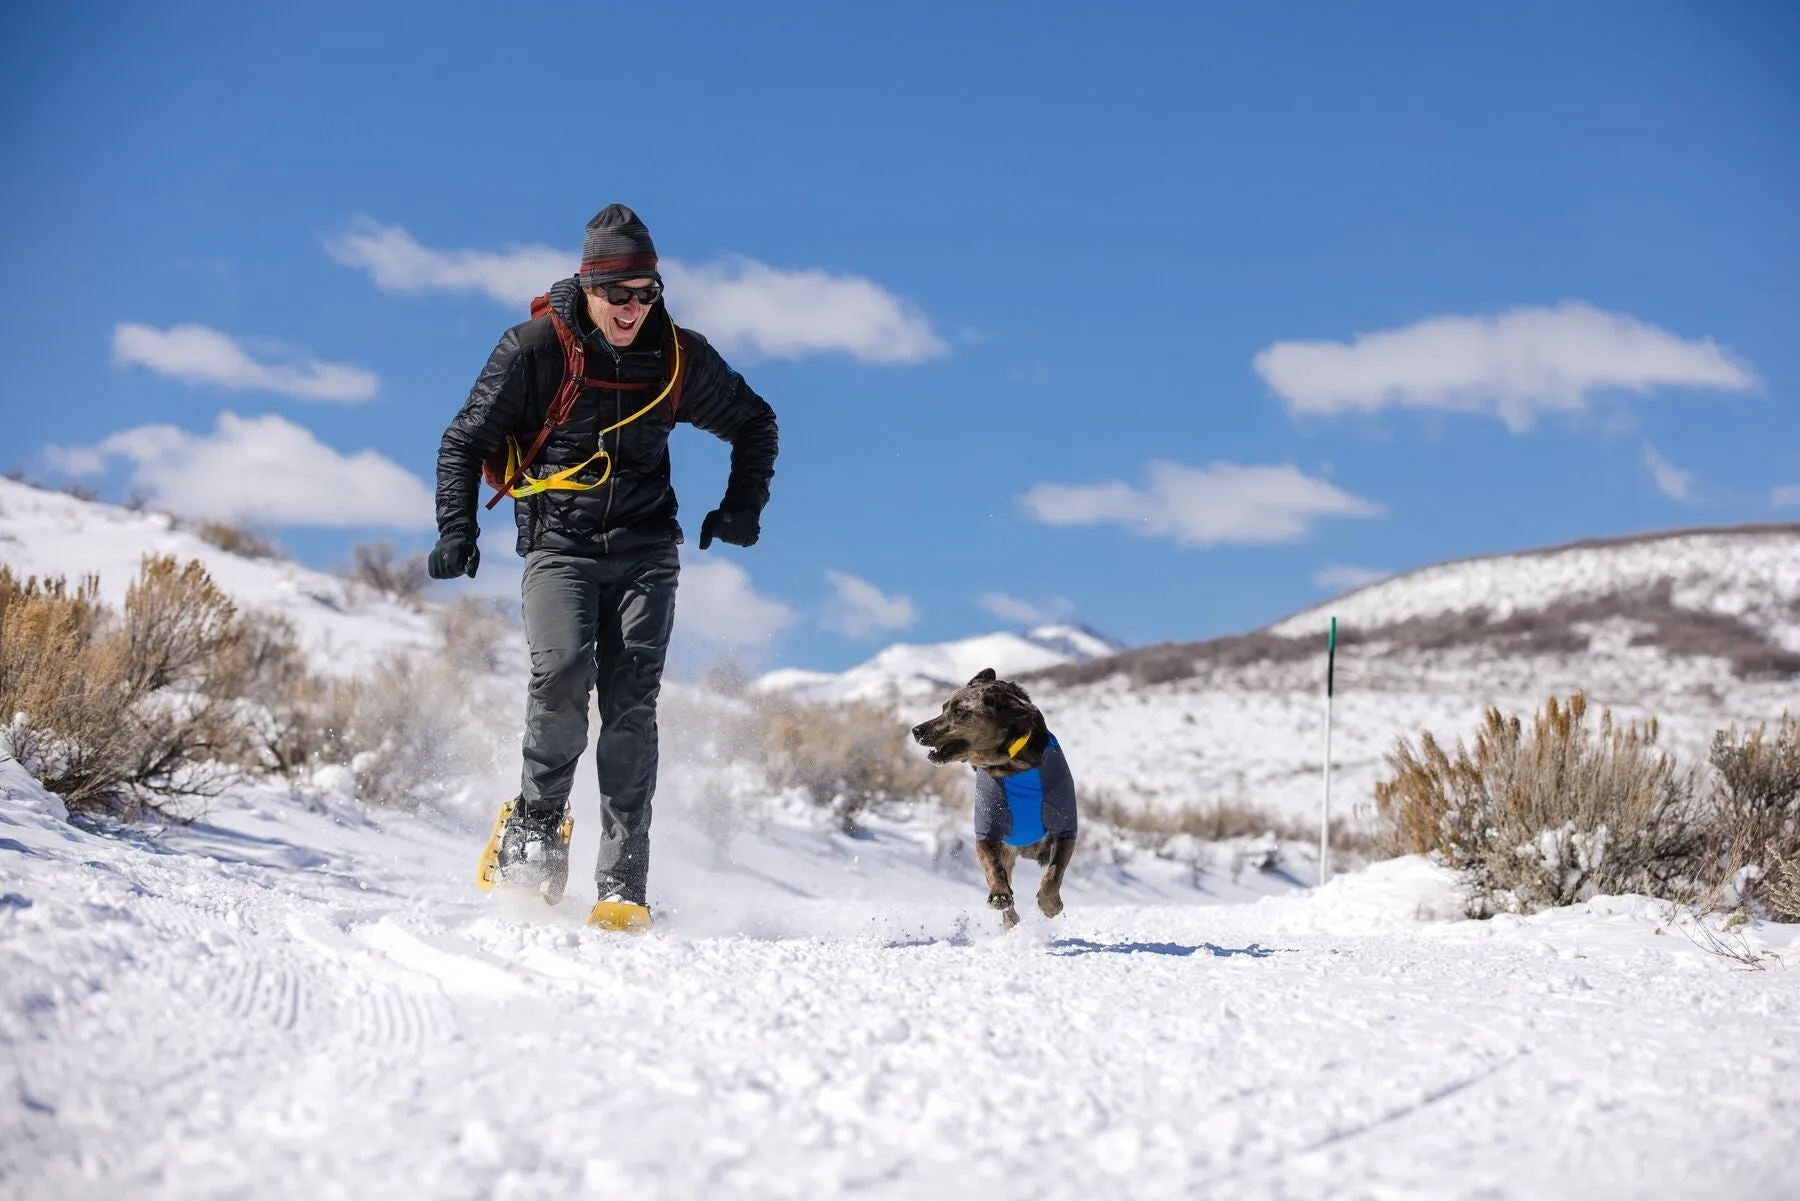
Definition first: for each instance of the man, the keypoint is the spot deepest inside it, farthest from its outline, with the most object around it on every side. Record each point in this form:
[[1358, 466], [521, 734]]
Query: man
[[597, 530]]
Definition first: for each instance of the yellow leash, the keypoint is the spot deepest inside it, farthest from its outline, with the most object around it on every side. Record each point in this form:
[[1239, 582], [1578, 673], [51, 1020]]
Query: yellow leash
[[564, 480]]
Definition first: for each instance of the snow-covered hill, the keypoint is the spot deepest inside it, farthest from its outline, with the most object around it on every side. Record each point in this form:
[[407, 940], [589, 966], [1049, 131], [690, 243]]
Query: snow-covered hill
[[908, 672], [1700, 629], [345, 628], [1747, 574]]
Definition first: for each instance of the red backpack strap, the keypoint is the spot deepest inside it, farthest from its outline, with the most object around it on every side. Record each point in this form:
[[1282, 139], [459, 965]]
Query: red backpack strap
[[574, 357]]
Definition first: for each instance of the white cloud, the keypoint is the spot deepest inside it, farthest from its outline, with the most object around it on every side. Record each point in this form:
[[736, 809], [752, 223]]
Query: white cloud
[[1514, 366], [1011, 608], [861, 608], [741, 304], [206, 356], [397, 263], [1671, 480], [791, 314], [264, 469], [1787, 496], [1202, 506], [717, 605], [1345, 577]]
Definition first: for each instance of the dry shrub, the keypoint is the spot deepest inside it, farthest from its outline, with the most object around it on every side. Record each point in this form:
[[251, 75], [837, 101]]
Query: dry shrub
[[126, 713], [848, 758], [406, 729], [237, 540], [472, 630], [1164, 828], [1548, 815], [1209, 823], [1781, 890], [377, 565], [1755, 814], [63, 675]]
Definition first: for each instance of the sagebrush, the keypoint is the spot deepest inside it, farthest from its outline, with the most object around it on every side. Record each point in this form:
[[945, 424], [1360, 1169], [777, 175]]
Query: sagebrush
[[1755, 812], [132, 711], [847, 758], [180, 694], [1561, 810], [1547, 814]]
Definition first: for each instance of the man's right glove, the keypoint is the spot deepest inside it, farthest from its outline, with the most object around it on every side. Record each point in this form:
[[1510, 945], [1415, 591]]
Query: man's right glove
[[454, 555], [740, 527]]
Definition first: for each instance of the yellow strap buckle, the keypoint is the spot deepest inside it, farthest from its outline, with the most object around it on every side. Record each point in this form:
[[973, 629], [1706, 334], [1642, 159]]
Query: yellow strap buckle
[[564, 480]]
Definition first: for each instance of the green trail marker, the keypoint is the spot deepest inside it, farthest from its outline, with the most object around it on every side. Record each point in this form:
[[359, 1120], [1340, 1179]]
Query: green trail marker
[[1325, 806]]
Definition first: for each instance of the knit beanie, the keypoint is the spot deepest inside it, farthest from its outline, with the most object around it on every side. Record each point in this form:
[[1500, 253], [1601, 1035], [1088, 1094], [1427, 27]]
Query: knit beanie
[[617, 247]]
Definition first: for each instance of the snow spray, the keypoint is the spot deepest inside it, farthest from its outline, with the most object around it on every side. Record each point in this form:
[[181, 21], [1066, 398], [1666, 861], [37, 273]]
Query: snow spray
[[1325, 805]]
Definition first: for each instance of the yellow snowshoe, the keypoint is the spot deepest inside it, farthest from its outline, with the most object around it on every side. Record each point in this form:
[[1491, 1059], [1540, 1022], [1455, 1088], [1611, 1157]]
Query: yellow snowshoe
[[525, 854], [622, 916]]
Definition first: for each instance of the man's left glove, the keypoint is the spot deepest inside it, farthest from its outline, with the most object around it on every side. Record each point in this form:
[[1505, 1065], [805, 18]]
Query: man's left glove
[[454, 555], [740, 527]]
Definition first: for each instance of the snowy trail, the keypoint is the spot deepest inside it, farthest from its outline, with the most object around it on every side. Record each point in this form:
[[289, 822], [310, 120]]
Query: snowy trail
[[307, 1004]]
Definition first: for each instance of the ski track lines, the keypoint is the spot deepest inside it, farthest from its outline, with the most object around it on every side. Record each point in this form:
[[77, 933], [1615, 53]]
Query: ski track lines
[[185, 1027]]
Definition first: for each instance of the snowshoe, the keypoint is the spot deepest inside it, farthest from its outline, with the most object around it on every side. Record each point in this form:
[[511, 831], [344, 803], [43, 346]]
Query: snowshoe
[[527, 854], [614, 912]]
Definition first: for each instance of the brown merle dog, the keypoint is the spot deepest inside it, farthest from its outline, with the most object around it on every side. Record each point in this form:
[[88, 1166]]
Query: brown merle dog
[[1024, 792]]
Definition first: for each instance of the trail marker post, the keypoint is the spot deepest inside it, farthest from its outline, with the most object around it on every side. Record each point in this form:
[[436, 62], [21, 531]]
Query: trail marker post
[[1325, 806]]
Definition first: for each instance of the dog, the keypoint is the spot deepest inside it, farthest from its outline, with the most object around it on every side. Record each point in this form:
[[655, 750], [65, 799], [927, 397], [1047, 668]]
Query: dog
[[1024, 792]]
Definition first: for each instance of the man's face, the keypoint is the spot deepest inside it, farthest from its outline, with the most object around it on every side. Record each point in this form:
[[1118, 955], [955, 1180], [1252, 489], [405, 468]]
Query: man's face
[[619, 323]]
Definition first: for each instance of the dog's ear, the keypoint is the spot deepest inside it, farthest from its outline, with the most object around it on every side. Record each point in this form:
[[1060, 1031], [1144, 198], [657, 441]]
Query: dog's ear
[[985, 676]]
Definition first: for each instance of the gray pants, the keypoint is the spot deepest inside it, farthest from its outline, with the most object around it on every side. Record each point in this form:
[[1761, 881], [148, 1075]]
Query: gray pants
[[607, 621]]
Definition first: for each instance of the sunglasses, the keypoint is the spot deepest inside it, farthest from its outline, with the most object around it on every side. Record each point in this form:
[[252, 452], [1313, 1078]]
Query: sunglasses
[[619, 294]]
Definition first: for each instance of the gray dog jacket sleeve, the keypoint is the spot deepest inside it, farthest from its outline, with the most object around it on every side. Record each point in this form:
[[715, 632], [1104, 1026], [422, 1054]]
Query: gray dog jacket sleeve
[[1027, 806]]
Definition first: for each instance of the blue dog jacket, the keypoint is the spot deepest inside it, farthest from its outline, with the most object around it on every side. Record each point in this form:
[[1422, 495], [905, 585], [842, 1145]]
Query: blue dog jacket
[[1027, 806]]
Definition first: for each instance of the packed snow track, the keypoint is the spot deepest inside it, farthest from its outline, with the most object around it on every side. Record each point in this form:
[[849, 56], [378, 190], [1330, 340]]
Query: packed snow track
[[293, 999]]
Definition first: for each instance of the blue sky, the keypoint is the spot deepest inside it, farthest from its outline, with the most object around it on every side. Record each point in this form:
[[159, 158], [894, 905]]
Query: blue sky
[[1168, 319]]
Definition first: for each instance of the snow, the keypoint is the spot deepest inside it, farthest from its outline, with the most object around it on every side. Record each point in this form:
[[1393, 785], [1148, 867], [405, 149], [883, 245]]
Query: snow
[[912, 672], [343, 627], [297, 999], [296, 996]]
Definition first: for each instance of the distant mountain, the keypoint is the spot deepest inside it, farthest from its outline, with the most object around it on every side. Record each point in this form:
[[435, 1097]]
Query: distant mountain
[[907, 672]]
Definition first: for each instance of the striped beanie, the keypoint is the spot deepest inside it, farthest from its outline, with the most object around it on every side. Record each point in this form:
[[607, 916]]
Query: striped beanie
[[617, 247]]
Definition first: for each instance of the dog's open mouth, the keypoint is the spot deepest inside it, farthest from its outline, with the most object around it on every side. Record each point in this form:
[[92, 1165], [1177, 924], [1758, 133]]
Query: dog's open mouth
[[945, 752]]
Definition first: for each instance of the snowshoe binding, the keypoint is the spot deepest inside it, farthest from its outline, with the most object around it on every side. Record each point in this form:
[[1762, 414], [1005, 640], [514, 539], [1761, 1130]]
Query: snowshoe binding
[[527, 854]]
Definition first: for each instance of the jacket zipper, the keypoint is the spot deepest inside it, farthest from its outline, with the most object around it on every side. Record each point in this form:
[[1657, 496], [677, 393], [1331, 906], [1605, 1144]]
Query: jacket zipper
[[612, 483]]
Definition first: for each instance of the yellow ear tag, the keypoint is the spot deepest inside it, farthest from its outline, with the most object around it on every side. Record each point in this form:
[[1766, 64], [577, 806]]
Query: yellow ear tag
[[1013, 750]]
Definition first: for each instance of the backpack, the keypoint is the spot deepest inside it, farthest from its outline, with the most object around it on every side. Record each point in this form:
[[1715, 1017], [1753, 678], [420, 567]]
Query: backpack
[[504, 469]]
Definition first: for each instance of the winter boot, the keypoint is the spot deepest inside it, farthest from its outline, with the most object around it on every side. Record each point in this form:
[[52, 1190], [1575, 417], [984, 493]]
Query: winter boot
[[527, 852]]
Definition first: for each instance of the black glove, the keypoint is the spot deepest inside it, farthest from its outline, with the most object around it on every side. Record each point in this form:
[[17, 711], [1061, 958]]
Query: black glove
[[740, 527], [454, 555]]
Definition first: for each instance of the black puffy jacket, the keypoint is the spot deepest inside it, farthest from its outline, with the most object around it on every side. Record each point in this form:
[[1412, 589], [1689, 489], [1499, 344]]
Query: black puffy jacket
[[636, 506]]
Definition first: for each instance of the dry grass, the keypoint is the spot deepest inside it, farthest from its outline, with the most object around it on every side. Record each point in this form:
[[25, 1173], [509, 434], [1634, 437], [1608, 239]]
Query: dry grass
[[237, 540], [378, 566], [1781, 890], [408, 730], [847, 758], [1254, 834], [1550, 814]]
